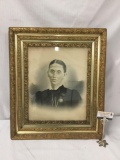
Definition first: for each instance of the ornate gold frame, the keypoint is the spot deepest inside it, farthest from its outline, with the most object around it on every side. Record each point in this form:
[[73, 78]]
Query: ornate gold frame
[[22, 38]]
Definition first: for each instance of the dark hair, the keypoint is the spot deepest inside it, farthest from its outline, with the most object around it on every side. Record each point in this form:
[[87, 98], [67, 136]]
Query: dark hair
[[58, 62]]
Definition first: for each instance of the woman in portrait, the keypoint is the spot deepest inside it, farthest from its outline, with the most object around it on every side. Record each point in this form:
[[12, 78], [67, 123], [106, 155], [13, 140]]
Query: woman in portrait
[[57, 95]]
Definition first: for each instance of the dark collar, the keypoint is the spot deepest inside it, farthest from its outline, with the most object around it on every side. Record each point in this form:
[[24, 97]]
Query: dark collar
[[61, 89]]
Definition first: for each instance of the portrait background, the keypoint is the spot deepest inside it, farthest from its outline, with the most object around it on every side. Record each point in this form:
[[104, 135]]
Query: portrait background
[[76, 78]]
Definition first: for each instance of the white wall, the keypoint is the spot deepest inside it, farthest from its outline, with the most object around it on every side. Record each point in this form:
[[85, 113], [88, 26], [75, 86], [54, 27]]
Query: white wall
[[63, 13]]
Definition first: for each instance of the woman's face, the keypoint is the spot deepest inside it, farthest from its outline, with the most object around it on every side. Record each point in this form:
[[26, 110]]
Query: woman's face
[[56, 74]]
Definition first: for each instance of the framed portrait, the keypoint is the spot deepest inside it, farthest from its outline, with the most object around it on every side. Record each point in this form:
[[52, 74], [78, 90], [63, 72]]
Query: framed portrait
[[56, 82]]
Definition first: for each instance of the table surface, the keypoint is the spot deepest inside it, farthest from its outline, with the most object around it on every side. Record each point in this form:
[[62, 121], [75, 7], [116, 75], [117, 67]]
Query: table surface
[[60, 149]]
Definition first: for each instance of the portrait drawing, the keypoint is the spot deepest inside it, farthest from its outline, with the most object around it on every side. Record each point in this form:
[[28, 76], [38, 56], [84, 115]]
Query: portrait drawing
[[56, 87]]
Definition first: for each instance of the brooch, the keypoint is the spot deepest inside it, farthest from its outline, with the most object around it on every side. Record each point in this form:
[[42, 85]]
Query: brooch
[[60, 100]]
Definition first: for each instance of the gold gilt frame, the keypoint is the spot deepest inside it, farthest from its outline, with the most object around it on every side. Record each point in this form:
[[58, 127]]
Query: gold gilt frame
[[20, 41]]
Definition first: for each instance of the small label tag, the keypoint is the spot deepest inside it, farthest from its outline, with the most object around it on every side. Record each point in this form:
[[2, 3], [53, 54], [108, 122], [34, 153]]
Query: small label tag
[[107, 115]]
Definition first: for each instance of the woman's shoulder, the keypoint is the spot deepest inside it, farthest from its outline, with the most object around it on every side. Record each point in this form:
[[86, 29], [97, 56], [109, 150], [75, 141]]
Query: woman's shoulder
[[72, 90], [41, 92]]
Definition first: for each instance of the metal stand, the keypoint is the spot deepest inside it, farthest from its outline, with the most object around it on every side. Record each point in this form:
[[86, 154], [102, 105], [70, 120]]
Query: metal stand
[[103, 142]]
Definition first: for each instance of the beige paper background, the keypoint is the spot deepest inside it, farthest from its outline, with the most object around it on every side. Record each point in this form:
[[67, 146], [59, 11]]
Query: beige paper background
[[76, 62]]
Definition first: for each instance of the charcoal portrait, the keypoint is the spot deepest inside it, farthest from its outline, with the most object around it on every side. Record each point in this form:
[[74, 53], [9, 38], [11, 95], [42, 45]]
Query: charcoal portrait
[[57, 84], [57, 95]]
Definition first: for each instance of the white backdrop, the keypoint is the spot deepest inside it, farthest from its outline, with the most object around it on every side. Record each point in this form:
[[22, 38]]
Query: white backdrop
[[62, 13]]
